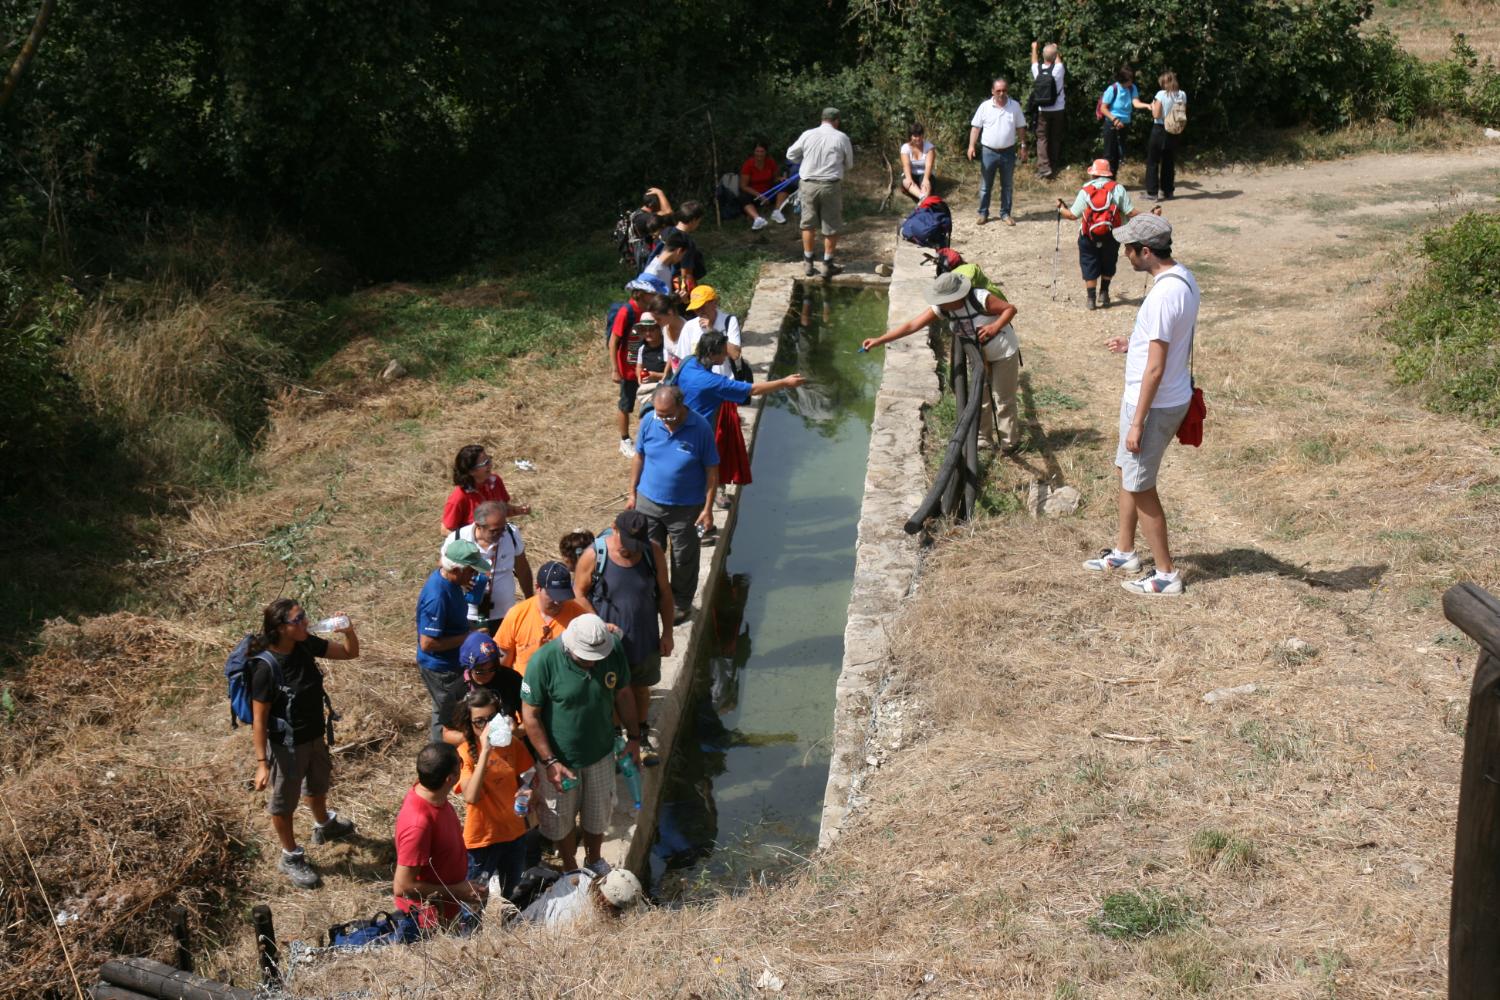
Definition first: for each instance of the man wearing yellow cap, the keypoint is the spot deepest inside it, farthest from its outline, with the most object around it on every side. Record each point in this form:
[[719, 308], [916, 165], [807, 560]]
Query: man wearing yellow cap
[[705, 316]]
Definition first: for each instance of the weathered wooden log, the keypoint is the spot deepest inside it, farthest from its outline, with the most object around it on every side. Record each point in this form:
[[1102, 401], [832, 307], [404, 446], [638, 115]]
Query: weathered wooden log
[[157, 979], [104, 991], [265, 945], [1474, 920]]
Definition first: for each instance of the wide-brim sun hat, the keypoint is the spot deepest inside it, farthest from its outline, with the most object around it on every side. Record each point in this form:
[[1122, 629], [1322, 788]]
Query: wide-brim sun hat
[[1100, 168], [945, 288], [620, 888], [587, 638]]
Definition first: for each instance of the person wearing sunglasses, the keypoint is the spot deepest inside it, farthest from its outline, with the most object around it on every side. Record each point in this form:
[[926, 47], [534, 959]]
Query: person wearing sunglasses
[[492, 766], [289, 731], [474, 482]]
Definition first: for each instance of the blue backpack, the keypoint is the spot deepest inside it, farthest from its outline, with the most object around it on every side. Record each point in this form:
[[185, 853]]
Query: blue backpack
[[237, 674], [609, 317], [380, 930], [601, 554], [930, 224]]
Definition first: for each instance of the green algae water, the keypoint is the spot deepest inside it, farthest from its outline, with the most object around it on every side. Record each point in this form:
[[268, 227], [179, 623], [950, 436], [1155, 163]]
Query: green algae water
[[744, 785]]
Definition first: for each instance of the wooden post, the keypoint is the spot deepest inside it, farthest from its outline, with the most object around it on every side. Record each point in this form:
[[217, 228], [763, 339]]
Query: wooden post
[[104, 991], [1474, 920], [156, 979], [265, 944], [177, 916]]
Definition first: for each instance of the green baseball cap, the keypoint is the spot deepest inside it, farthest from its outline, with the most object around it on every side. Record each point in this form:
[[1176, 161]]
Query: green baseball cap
[[466, 553]]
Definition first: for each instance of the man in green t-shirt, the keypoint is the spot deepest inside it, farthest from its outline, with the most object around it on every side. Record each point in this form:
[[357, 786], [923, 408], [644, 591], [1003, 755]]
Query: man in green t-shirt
[[574, 686]]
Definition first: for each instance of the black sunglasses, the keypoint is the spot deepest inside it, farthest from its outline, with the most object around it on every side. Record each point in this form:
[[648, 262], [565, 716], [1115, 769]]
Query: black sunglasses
[[481, 723]]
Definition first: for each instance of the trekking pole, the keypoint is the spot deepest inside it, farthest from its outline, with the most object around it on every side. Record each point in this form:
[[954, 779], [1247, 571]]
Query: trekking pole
[[1056, 251]]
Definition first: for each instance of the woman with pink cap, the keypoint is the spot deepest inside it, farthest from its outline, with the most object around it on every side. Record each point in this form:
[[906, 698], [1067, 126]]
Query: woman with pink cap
[[1101, 205]]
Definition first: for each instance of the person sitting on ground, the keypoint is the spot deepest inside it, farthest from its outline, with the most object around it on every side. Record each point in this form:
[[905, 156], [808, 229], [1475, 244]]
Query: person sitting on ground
[[953, 297], [492, 595], [666, 265], [1101, 205], [717, 398], [918, 160], [758, 175], [474, 482], [492, 765], [651, 363], [577, 893], [624, 354], [539, 619], [673, 481], [573, 689], [573, 545], [432, 863], [1161, 149], [704, 315], [443, 625], [630, 590], [289, 732]]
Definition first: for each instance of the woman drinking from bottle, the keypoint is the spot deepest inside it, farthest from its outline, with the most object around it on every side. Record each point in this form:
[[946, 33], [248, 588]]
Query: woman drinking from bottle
[[492, 761]]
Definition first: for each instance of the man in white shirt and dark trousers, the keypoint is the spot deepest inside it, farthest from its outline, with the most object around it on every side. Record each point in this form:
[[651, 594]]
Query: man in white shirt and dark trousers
[[1158, 389], [998, 130], [823, 154], [1049, 114]]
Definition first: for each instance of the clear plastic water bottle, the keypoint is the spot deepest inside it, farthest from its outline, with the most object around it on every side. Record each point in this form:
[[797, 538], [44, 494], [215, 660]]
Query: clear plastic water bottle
[[523, 793], [500, 731], [333, 624]]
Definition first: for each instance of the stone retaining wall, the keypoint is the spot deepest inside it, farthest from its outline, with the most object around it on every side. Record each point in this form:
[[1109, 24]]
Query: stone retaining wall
[[886, 557]]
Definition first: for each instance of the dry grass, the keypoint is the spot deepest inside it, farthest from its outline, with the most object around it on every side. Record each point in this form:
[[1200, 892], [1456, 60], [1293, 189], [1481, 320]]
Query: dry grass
[[1425, 27]]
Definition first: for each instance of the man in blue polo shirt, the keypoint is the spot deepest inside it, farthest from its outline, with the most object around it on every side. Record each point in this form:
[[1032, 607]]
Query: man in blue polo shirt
[[672, 482], [443, 624]]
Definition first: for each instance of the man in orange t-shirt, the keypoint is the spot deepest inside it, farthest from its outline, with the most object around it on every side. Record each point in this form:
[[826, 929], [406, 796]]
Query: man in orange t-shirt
[[539, 619]]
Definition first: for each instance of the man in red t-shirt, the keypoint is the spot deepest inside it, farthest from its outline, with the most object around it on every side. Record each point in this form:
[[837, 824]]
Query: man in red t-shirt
[[431, 862], [757, 175]]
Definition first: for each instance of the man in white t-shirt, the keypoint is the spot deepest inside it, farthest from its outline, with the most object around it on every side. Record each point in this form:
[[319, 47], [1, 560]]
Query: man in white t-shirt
[[1049, 115], [501, 544], [998, 132], [1158, 389], [705, 315], [985, 317]]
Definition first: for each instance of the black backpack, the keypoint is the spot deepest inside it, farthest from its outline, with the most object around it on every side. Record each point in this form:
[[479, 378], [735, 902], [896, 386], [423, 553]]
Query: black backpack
[[1044, 87]]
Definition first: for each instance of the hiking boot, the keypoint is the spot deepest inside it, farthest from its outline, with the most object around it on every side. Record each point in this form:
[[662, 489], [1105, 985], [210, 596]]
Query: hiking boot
[[722, 501], [1153, 584], [759, 224], [812, 269], [1104, 299], [296, 869], [337, 828], [626, 448], [830, 268], [983, 219], [1108, 559], [778, 218], [682, 615], [1091, 306]]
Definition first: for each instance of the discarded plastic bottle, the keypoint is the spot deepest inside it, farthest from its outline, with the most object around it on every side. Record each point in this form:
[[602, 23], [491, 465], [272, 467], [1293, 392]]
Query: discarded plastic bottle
[[625, 764], [523, 793], [333, 624]]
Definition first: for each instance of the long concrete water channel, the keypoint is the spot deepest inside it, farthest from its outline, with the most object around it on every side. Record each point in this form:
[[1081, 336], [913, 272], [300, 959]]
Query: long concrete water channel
[[746, 709]]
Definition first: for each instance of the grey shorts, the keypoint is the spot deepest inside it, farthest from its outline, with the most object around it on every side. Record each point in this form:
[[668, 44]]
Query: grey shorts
[[305, 769], [1138, 469], [588, 804], [823, 205]]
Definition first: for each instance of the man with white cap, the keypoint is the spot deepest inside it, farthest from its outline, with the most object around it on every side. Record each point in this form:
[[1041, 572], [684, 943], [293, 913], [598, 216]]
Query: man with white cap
[[984, 316], [1100, 206], [1158, 390], [443, 625], [568, 898], [574, 686]]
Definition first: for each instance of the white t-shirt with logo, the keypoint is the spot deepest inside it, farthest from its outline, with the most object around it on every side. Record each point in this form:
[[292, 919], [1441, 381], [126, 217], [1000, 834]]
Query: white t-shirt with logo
[[998, 126], [1169, 314], [966, 321], [692, 332]]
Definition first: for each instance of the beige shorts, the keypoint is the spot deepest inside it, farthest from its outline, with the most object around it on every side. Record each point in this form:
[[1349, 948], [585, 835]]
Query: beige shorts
[[822, 204], [588, 804], [306, 768]]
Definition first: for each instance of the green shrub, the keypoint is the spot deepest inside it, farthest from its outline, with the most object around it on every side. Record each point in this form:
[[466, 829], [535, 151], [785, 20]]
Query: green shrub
[[1447, 328]]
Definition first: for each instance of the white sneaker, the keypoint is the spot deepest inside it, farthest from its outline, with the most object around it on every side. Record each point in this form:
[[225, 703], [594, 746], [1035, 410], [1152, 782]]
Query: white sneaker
[[759, 224], [1108, 560], [628, 450], [778, 218], [1154, 585]]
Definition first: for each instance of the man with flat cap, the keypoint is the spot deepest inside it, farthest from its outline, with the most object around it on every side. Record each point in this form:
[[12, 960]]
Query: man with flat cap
[[823, 154], [1158, 388], [984, 316], [623, 579]]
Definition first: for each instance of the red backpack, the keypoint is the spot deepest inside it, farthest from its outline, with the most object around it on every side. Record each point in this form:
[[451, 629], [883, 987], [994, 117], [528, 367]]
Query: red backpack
[[1100, 214]]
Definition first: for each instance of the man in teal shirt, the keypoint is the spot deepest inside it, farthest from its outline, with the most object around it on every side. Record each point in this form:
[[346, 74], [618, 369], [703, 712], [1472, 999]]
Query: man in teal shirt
[[574, 687]]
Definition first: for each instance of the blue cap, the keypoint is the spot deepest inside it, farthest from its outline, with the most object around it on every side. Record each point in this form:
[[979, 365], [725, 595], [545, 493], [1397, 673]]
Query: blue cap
[[555, 579], [478, 648], [644, 282]]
